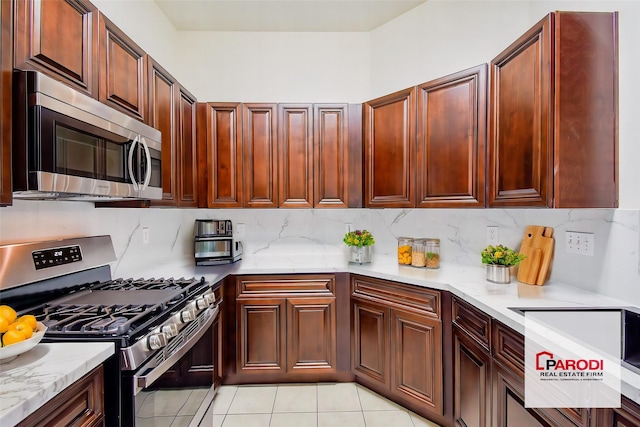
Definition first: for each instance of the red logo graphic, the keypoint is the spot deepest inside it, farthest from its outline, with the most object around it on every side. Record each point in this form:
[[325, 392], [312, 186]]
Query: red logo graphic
[[545, 361]]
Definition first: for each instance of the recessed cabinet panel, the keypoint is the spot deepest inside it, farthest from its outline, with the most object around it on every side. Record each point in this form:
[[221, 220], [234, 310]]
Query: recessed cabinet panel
[[451, 140], [122, 78], [260, 156], [58, 38], [295, 151], [371, 341], [262, 345], [472, 382], [311, 334], [389, 132], [331, 165], [187, 163], [224, 154]]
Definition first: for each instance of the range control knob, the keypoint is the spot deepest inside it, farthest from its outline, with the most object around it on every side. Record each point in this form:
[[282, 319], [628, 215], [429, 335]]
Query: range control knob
[[170, 330], [156, 341], [209, 298], [202, 303], [187, 316]]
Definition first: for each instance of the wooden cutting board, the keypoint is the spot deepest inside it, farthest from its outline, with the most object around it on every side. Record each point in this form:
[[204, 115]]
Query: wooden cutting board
[[537, 245]]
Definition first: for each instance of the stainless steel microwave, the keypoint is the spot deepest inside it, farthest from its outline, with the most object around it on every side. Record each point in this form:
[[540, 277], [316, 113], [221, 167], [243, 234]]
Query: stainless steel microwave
[[67, 145]]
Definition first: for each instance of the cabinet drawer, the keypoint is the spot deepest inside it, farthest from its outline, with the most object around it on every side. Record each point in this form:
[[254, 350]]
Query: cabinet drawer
[[508, 347], [473, 321], [397, 295], [282, 285]]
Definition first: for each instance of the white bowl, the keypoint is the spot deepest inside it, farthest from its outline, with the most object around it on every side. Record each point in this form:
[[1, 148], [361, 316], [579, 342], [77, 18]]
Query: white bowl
[[10, 352]]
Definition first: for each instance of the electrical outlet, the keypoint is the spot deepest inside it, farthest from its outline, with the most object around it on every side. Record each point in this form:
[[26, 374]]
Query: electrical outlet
[[348, 227], [145, 235], [240, 229], [580, 243], [492, 235]]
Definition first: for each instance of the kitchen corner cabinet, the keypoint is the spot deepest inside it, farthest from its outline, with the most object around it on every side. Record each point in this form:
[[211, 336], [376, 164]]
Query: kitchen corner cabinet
[[260, 155], [58, 38], [451, 140], [397, 343], [390, 150], [122, 71], [80, 404], [553, 115], [220, 126], [6, 72]]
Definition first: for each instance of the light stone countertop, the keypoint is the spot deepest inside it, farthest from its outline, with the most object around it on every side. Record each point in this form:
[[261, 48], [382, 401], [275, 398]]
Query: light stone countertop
[[35, 377]]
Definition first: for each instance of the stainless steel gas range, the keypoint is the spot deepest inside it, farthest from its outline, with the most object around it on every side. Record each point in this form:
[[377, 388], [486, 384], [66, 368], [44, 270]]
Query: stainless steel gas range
[[67, 285]]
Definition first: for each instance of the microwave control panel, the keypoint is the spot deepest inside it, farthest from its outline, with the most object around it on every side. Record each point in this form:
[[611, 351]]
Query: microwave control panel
[[57, 256]]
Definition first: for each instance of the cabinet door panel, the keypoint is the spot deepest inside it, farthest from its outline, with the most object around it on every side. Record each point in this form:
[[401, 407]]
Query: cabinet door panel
[[311, 334], [6, 31], [417, 363], [472, 382], [162, 116], [521, 122], [295, 151], [58, 38], [331, 166], [508, 398], [260, 156], [187, 162], [224, 155], [371, 341], [122, 78], [451, 140], [390, 150], [262, 338]]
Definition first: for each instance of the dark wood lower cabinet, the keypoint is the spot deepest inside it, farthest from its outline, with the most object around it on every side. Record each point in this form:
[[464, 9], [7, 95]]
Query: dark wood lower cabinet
[[628, 415], [81, 404], [508, 401], [472, 382], [371, 346]]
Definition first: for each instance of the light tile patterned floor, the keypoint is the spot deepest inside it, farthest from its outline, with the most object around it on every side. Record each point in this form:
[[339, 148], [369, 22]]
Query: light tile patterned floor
[[306, 405]]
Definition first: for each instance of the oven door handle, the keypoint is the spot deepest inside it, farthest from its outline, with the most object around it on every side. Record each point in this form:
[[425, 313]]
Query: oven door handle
[[143, 381]]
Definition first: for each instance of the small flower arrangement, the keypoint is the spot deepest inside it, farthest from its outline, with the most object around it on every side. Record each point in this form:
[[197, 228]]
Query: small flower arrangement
[[358, 238], [501, 255]]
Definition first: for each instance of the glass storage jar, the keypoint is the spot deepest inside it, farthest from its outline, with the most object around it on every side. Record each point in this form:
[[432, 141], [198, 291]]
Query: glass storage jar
[[418, 258], [404, 250], [432, 253]]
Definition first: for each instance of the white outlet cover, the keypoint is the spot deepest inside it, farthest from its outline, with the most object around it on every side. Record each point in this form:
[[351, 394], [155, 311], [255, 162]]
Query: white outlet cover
[[581, 243]]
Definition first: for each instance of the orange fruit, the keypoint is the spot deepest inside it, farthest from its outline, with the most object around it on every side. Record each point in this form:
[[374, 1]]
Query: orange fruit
[[30, 320], [8, 313], [12, 337], [4, 325], [23, 328]]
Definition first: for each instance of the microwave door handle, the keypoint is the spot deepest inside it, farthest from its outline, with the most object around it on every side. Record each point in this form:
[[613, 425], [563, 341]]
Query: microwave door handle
[[130, 163], [147, 152]]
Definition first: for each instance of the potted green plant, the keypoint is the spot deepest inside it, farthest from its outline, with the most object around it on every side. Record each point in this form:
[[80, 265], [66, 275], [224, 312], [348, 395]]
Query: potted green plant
[[360, 243], [499, 260]]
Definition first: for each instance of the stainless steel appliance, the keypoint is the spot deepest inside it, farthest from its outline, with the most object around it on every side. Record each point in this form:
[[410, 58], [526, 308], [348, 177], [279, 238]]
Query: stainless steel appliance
[[67, 285], [70, 146], [214, 243]]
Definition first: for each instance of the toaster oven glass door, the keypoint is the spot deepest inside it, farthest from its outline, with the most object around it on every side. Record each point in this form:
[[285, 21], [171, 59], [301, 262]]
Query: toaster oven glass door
[[213, 248]]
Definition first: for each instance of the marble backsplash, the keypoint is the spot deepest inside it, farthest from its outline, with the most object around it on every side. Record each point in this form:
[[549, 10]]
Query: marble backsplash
[[304, 235]]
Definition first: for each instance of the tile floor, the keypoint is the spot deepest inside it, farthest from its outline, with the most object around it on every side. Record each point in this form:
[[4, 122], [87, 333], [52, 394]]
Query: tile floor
[[306, 405]]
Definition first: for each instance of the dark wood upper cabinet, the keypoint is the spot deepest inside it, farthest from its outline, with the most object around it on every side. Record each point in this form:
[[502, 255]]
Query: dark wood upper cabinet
[[122, 71], [451, 137], [331, 140], [187, 149], [389, 150], [260, 156], [553, 115], [295, 155], [223, 129], [58, 38], [162, 116], [6, 72]]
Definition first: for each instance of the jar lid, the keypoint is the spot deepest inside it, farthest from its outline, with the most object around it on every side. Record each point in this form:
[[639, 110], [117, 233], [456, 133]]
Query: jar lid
[[405, 239], [433, 240], [420, 240]]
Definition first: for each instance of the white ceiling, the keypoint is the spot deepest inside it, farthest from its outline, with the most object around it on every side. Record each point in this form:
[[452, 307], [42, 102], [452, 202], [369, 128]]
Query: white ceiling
[[283, 15]]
